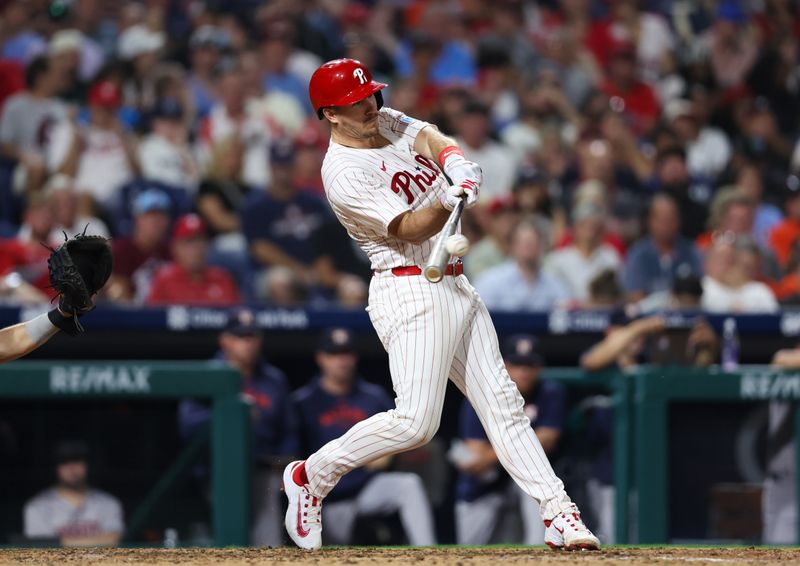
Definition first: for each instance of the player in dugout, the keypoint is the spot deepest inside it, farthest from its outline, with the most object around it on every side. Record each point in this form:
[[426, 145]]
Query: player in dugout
[[383, 177], [71, 511], [265, 388], [327, 407], [483, 492]]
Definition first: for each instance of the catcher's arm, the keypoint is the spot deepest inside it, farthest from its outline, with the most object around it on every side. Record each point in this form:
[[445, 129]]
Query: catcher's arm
[[21, 339]]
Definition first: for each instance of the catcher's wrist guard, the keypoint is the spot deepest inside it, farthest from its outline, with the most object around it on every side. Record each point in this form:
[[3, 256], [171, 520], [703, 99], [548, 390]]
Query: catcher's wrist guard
[[68, 324]]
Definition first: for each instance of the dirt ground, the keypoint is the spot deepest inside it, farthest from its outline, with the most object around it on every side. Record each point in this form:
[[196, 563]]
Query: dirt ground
[[451, 556]]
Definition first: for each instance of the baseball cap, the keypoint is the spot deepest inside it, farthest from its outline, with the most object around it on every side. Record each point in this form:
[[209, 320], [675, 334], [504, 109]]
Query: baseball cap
[[209, 36], [282, 153], [150, 200], [678, 108], [530, 176], [138, 40], [71, 451], [188, 226], [105, 94], [242, 322], [522, 349], [168, 108], [336, 341], [501, 204], [65, 40]]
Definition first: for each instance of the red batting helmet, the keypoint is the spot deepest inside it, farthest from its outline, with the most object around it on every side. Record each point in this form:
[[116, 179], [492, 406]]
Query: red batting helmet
[[340, 82]]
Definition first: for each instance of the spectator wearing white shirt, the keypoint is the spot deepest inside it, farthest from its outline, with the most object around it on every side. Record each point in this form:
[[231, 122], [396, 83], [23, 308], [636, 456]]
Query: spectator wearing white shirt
[[519, 284], [733, 216], [233, 116], [62, 197], [164, 154], [139, 47], [27, 121], [281, 111], [100, 155], [728, 285], [708, 149], [576, 265], [496, 160]]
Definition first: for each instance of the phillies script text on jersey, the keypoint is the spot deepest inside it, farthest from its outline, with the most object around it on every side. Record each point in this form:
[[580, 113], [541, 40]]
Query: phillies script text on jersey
[[401, 181], [368, 188], [99, 379]]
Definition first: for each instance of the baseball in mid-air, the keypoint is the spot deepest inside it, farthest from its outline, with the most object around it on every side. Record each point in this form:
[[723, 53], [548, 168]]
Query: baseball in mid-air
[[457, 244]]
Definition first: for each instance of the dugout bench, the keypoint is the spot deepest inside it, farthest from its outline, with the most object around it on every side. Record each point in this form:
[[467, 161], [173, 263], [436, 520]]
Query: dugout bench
[[641, 399], [229, 428]]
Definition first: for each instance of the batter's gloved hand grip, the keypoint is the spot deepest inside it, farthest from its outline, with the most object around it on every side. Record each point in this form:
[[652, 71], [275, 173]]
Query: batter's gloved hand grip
[[437, 262]]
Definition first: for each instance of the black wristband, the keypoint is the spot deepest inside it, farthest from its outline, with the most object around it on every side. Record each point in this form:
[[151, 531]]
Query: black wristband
[[70, 325]]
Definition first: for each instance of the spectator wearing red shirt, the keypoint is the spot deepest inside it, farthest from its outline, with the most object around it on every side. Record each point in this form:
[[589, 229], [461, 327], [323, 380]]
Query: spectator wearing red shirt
[[627, 93], [12, 79], [785, 234], [25, 255], [137, 257], [189, 280]]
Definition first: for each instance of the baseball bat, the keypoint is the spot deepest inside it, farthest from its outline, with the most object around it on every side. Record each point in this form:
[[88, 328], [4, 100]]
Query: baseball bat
[[434, 269]]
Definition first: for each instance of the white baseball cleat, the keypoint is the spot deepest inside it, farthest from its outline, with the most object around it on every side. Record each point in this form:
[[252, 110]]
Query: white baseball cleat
[[568, 532], [303, 517]]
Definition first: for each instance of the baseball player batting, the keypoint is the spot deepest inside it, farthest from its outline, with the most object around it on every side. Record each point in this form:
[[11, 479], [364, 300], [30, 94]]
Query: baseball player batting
[[382, 179]]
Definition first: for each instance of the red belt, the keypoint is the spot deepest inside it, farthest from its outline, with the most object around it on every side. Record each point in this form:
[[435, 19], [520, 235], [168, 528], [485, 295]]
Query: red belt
[[451, 269]]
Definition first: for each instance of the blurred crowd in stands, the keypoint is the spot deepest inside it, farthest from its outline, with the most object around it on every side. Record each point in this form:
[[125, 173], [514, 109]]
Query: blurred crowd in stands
[[626, 144]]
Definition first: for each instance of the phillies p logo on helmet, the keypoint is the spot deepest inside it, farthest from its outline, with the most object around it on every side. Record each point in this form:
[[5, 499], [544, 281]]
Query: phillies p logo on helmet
[[332, 85], [359, 74]]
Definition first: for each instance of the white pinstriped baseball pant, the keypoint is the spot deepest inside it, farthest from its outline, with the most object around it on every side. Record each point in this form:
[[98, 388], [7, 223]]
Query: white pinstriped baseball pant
[[436, 332]]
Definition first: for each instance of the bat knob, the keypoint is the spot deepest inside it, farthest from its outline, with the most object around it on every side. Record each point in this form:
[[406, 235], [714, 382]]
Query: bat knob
[[432, 273]]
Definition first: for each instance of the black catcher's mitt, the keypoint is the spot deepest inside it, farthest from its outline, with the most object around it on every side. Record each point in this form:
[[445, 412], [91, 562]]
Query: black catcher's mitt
[[78, 269]]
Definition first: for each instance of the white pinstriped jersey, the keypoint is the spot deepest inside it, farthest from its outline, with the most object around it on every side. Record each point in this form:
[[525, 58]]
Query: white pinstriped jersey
[[368, 188], [433, 332]]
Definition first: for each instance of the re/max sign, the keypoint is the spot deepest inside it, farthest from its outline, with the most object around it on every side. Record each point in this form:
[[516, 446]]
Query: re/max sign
[[769, 386], [99, 379]]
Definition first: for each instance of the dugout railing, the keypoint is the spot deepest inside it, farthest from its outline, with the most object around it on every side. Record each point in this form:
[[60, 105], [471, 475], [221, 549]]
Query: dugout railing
[[641, 399], [141, 380]]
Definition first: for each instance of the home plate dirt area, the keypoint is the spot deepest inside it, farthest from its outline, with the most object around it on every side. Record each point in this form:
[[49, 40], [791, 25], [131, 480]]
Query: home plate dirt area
[[455, 556]]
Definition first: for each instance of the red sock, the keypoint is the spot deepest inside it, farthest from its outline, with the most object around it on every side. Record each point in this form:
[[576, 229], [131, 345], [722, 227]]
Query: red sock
[[299, 475]]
